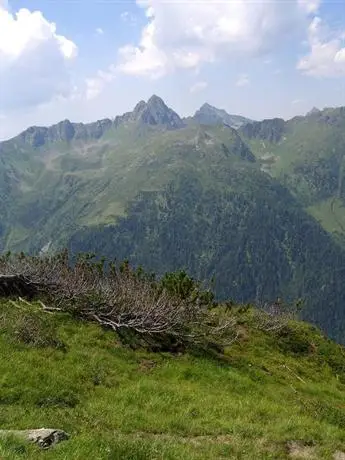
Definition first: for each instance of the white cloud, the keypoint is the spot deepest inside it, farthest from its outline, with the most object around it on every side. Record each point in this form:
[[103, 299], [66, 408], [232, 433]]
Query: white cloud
[[189, 34], [129, 18], [296, 101], [198, 87], [310, 6], [95, 85], [243, 80], [153, 62], [34, 59], [99, 31], [327, 52]]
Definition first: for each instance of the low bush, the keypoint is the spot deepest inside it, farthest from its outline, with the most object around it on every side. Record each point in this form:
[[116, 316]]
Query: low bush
[[168, 314]]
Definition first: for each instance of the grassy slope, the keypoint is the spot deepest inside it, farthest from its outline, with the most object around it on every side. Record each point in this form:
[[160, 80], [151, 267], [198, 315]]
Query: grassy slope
[[123, 404], [330, 213]]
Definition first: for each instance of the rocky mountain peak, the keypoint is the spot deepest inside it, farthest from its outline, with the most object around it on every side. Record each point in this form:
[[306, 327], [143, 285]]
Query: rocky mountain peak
[[156, 112], [314, 111], [210, 115]]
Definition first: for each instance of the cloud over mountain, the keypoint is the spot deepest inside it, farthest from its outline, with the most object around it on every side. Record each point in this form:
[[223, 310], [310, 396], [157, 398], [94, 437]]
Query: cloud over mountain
[[188, 34], [34, 59], [326, 57]]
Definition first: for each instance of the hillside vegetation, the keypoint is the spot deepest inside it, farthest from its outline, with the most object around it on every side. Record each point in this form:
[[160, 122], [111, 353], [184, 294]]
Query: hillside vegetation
[[307, 155], [271, 394], [250, 235]]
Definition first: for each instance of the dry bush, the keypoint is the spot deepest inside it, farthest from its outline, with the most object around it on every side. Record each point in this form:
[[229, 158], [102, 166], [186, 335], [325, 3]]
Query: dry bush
[[117, 298], [274, 316]]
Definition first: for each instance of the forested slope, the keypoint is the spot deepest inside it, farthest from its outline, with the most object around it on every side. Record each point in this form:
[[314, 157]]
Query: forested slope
[[238, 207]]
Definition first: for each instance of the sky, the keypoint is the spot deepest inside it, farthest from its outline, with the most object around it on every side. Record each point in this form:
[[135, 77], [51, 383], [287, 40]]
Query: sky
[[85, 60]]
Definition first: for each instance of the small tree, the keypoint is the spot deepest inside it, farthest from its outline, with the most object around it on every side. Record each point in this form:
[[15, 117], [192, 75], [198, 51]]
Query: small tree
[[180, 284]]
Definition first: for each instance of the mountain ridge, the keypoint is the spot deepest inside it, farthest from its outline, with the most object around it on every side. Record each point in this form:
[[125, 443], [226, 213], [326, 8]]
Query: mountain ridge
[[241, 205], [154, 112]]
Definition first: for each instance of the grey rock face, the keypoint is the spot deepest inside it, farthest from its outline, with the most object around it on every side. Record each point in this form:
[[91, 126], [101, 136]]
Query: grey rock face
[[209, 115]]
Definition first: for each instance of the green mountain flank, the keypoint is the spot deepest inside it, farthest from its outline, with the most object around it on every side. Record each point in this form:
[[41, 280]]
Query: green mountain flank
[[306, 155], [258, 210]]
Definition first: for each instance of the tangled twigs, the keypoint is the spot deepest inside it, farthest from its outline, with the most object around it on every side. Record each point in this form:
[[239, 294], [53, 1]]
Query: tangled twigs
[[115, 298]]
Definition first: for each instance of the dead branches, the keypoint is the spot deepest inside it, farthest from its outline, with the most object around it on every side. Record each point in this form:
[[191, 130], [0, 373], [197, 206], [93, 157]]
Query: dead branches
[[115, 298], [274, 316]]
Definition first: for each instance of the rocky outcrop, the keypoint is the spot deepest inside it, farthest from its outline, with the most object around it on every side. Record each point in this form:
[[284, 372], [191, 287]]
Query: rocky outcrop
[[64, 131], [43, 437], [266, 130]]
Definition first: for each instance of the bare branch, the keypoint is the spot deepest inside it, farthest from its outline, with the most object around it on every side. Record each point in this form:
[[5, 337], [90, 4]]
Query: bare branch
[[116, 299]]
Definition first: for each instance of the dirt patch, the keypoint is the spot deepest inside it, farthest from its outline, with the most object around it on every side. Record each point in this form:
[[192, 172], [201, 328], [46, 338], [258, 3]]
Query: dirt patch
[[297, 449], [147, 365]]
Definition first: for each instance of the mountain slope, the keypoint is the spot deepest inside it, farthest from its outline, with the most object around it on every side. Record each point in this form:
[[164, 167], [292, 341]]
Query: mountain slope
[[87, 182], [272, 395], [244, 229], [306, 154]]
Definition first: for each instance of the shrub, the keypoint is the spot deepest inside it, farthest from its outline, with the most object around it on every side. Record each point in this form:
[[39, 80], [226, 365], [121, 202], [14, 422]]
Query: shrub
[[294, 339], [180, 284], [167, 314]]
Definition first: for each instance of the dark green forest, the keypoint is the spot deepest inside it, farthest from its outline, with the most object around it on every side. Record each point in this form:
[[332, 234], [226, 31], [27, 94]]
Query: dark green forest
[[252, 239]]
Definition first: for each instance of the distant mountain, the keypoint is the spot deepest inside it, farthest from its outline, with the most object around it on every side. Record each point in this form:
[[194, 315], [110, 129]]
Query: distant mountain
[[307, 155], [266, 130], [153, 112], [209, 115], [236, 204], [64, 131], [88, 172]]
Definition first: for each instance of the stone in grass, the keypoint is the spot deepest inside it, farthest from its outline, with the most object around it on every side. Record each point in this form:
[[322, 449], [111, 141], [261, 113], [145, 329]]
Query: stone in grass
[[44, 437]]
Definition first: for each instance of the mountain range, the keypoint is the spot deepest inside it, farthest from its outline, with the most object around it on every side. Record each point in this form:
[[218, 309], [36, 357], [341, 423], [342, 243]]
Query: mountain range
[[256, 205]]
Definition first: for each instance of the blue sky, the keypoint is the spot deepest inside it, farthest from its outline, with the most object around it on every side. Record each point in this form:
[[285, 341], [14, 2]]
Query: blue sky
[[86, 59]]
